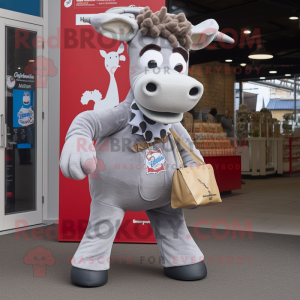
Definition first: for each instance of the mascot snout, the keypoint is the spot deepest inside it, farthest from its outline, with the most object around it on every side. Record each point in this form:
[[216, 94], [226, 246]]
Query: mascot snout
[[170, 92]]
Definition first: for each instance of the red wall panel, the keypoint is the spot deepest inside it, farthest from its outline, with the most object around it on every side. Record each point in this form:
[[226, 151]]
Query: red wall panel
[[227, 171], [82, 69]]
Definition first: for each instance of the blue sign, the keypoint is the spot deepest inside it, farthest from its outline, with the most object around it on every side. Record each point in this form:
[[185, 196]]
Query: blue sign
[[23, 116], [23, 113]]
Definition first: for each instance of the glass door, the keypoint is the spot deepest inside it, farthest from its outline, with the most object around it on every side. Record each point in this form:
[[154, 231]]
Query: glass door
[[20, 124]]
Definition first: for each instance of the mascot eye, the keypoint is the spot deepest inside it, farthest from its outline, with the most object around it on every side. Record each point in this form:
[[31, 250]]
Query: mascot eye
[[152, 64], [177, 62], [151, 59]]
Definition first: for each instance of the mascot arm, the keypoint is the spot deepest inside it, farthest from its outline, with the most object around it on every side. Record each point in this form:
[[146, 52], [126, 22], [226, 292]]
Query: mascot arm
[[78, 156], [184, 135]]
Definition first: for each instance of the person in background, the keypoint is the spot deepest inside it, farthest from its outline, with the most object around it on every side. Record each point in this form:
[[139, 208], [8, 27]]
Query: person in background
[[211, 117], [227, 124]]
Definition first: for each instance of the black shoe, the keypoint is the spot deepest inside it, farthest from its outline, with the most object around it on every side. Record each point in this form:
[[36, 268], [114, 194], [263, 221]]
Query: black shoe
[[187, 273], [88, 278]]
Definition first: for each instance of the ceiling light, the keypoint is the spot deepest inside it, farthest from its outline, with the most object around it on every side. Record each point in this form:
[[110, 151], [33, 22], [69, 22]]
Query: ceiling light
[[31, 61], [247, 31], [287, 74], [243, 64], [228, 60], [19, 68], [273, 72], [262, 77], [294, 16], [260, 54]]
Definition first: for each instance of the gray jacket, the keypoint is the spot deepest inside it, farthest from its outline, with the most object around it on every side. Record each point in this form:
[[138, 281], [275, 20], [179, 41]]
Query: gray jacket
[[121, 177]]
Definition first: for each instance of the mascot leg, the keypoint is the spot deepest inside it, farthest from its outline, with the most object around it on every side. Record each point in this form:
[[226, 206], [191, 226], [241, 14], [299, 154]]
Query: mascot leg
[[180, 256], [91, 260]]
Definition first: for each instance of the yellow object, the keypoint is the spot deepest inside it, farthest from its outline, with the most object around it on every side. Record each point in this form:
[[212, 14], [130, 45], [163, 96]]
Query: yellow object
[[193, 186]]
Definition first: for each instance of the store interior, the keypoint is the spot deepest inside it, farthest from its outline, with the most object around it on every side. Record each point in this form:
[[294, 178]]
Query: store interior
[[253, 140], [246, 125]]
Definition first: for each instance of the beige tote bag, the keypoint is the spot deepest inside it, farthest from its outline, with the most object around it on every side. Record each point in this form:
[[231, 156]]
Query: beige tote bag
[[193, 186]]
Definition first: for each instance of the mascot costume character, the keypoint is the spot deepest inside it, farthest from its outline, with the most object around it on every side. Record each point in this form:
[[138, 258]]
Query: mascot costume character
[[137, 133]]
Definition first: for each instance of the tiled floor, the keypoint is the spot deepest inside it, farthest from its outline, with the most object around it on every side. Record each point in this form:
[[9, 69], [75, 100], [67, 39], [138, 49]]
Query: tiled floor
[[268, 205]]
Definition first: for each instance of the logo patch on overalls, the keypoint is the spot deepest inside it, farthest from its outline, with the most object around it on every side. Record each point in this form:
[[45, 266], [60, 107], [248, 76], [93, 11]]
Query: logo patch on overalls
[[155, 161]]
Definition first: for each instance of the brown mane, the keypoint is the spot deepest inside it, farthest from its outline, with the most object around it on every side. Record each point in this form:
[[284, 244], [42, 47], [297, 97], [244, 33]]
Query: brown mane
[[175, 28]]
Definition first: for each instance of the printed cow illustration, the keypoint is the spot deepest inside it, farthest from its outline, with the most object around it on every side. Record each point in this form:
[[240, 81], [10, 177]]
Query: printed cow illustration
[[111, 63], [136, 135]]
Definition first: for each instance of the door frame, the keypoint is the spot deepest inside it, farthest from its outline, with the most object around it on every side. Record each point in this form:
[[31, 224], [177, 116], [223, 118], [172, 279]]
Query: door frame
[[41, 21]]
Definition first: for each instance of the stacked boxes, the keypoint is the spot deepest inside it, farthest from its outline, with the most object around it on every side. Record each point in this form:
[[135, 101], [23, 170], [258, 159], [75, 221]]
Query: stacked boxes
[[188, 122], [209, 138]]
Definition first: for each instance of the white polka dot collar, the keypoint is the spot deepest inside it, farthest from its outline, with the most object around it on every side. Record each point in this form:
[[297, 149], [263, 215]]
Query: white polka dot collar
[[142, 125]]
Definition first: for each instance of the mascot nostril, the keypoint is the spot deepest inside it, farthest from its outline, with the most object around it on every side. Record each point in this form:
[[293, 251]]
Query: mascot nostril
[[194, 91], [151, 87]]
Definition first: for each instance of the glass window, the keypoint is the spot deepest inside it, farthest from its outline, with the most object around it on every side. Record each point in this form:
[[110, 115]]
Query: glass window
[[297, 107], [30, 7], [20, 153]]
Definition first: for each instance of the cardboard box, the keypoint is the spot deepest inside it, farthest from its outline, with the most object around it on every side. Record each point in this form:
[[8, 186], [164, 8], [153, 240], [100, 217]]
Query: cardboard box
[[188, 120], [192, 135]]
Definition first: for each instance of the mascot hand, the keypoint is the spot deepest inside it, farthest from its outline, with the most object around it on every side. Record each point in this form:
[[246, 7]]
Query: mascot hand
[[78, 157]]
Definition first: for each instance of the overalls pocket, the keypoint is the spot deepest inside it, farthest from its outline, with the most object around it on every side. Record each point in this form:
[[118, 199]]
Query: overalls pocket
[[152, 174]]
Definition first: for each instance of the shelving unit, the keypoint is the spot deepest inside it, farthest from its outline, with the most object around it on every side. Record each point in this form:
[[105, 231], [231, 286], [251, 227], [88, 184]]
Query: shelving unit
[[291, 155], [260, 156]]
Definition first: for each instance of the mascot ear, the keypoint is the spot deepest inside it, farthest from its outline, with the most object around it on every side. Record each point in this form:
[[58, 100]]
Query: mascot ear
[[205, 33], [114, 26]]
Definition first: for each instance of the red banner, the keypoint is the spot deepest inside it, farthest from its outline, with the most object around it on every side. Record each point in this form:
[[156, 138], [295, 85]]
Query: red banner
[[84, 77]]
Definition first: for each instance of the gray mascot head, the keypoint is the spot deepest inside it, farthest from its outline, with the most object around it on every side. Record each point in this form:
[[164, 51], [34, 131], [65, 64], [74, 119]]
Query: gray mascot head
[[158, 47]]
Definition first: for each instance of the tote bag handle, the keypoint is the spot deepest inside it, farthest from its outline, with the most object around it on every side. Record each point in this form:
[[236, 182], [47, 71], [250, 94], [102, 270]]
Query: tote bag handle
[[196, 158]]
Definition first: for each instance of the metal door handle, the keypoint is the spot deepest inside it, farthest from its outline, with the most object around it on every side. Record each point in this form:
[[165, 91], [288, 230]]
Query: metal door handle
[[2, 135], [3, 138]]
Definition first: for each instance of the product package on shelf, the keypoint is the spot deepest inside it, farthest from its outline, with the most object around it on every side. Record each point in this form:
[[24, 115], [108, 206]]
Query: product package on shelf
[[295, 154], [208, 130], [277, 130], [295, 147], [198, 126], [263, 125], [291, 155], [200, 135], [286, 155], [192, 135], [209, 138], [217, 152], [265, 119], [270, 130], [188, 121]]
